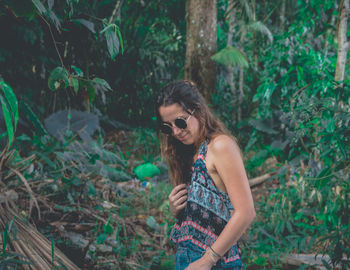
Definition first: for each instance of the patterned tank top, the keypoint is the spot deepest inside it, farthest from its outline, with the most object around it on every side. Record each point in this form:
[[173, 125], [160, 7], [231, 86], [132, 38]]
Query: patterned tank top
[[206, 213]]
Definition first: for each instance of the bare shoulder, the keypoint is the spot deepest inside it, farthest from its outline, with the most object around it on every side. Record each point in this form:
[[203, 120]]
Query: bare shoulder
[[222, 144]]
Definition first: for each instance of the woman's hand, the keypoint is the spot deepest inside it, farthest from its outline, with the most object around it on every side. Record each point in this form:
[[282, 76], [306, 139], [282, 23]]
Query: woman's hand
[[177, 199], [204, 263]]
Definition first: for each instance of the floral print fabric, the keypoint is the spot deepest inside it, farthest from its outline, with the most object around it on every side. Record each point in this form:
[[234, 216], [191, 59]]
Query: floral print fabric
[[205, 215]]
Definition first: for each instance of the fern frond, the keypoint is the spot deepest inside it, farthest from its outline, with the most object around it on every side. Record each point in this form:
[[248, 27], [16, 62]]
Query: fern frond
[[258, 26], [230, 56]]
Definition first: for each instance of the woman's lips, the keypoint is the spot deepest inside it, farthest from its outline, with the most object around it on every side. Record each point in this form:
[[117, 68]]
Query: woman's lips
[[181, 138]]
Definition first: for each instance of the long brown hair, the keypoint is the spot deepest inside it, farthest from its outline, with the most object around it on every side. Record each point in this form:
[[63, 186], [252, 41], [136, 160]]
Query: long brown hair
[[178, 155]]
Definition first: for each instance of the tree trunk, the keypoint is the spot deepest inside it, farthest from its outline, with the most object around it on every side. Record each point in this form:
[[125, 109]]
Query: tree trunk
[[230, 69], [343, 45], [241, 80], [201, 44], [283, 15]]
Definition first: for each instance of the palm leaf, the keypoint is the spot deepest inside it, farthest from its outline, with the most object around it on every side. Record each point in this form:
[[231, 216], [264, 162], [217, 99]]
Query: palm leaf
[[258, 26], [230, 56]]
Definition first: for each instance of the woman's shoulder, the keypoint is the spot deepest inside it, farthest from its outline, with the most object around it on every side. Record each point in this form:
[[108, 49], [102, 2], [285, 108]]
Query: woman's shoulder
[[222, 143]]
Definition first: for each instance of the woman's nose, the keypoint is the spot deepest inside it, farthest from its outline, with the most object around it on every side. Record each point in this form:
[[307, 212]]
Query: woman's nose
[[176, 130]]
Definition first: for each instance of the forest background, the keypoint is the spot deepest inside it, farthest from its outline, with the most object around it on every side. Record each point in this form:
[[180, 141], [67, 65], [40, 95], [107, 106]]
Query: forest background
[[80, 169]]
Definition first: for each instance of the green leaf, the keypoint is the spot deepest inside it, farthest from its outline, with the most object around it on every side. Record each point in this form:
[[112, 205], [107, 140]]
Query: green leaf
[[52, 16], [91, 188], [101, 238], [146, 170], [70, 199], [103, 84], [230, 56], [89, 25], [8, 120], [78, 71], [58, 76], [258, 26], [120, 39], [12, 101], [108, 228], [260, 125], [75, 84], [40, 7], [30, 115], [330, 126], [112, 40]]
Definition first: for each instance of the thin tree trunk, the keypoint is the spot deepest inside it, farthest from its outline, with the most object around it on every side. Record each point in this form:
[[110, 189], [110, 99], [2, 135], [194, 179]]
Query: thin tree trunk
[[201, 19], [240, 97], [343, 44], [241, 80], [283, 15], [230, 69]]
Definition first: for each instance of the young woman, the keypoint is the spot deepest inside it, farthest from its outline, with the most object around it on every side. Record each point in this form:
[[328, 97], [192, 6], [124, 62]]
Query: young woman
[[211, 198]]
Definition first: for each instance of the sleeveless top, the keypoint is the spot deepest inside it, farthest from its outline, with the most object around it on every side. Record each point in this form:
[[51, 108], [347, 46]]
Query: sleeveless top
[[206, 213]]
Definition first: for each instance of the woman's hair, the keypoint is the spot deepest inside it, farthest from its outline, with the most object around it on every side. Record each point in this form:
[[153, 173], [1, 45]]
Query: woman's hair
[[178, 155]]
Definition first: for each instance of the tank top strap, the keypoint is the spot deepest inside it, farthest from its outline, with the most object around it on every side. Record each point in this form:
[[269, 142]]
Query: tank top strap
[[202, 151]]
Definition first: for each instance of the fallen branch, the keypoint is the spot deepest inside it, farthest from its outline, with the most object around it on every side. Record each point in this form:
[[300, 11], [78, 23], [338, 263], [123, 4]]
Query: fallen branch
[[260, 179], [308, 259]]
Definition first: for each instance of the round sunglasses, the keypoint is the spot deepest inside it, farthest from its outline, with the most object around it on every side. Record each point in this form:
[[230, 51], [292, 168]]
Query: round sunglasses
[[179, 122]]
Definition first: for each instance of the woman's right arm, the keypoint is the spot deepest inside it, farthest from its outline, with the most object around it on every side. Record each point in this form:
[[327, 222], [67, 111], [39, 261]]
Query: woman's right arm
[[177, 200]]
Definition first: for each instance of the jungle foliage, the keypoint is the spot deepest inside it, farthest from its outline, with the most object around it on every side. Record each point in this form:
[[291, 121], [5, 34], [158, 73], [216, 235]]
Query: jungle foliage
[[78, 79]]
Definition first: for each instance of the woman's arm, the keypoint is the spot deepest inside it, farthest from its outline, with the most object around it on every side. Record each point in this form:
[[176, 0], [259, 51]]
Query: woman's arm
[[229, 165]]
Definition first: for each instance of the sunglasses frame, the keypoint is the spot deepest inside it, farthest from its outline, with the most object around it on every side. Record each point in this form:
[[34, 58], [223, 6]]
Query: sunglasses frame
[[171, 126]]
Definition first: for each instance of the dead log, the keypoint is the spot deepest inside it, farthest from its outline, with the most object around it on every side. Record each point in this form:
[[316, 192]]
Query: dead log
[[260, 179]]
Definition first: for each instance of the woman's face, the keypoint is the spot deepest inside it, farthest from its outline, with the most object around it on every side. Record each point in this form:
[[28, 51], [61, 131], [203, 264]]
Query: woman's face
[[190, 134]]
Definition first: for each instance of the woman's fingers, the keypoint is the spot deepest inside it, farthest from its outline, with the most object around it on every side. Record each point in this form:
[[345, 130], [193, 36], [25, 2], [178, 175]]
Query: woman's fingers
[[178, 192], [179, 195], [181, 199], [177, 189], [178, 198], [182, 206]]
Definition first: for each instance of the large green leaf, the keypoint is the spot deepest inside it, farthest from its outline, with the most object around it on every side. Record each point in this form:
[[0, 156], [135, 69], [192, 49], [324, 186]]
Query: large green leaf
[[89, 25], [113, 38], [230, 56], [40, 7], [75, 84], [12, 101], [102, 84], [58, 76], [8, 119], [33, 118]]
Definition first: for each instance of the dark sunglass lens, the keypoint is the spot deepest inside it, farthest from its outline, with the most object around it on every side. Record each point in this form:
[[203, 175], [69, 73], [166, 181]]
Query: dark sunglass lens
[[181, 123], [166, 129]]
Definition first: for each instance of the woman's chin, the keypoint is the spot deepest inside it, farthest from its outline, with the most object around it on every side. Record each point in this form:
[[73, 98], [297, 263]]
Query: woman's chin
[[186, 141]]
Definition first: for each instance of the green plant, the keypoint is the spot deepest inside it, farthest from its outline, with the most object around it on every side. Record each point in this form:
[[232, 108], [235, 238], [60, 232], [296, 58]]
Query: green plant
[[9, 105], [7, 258]]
